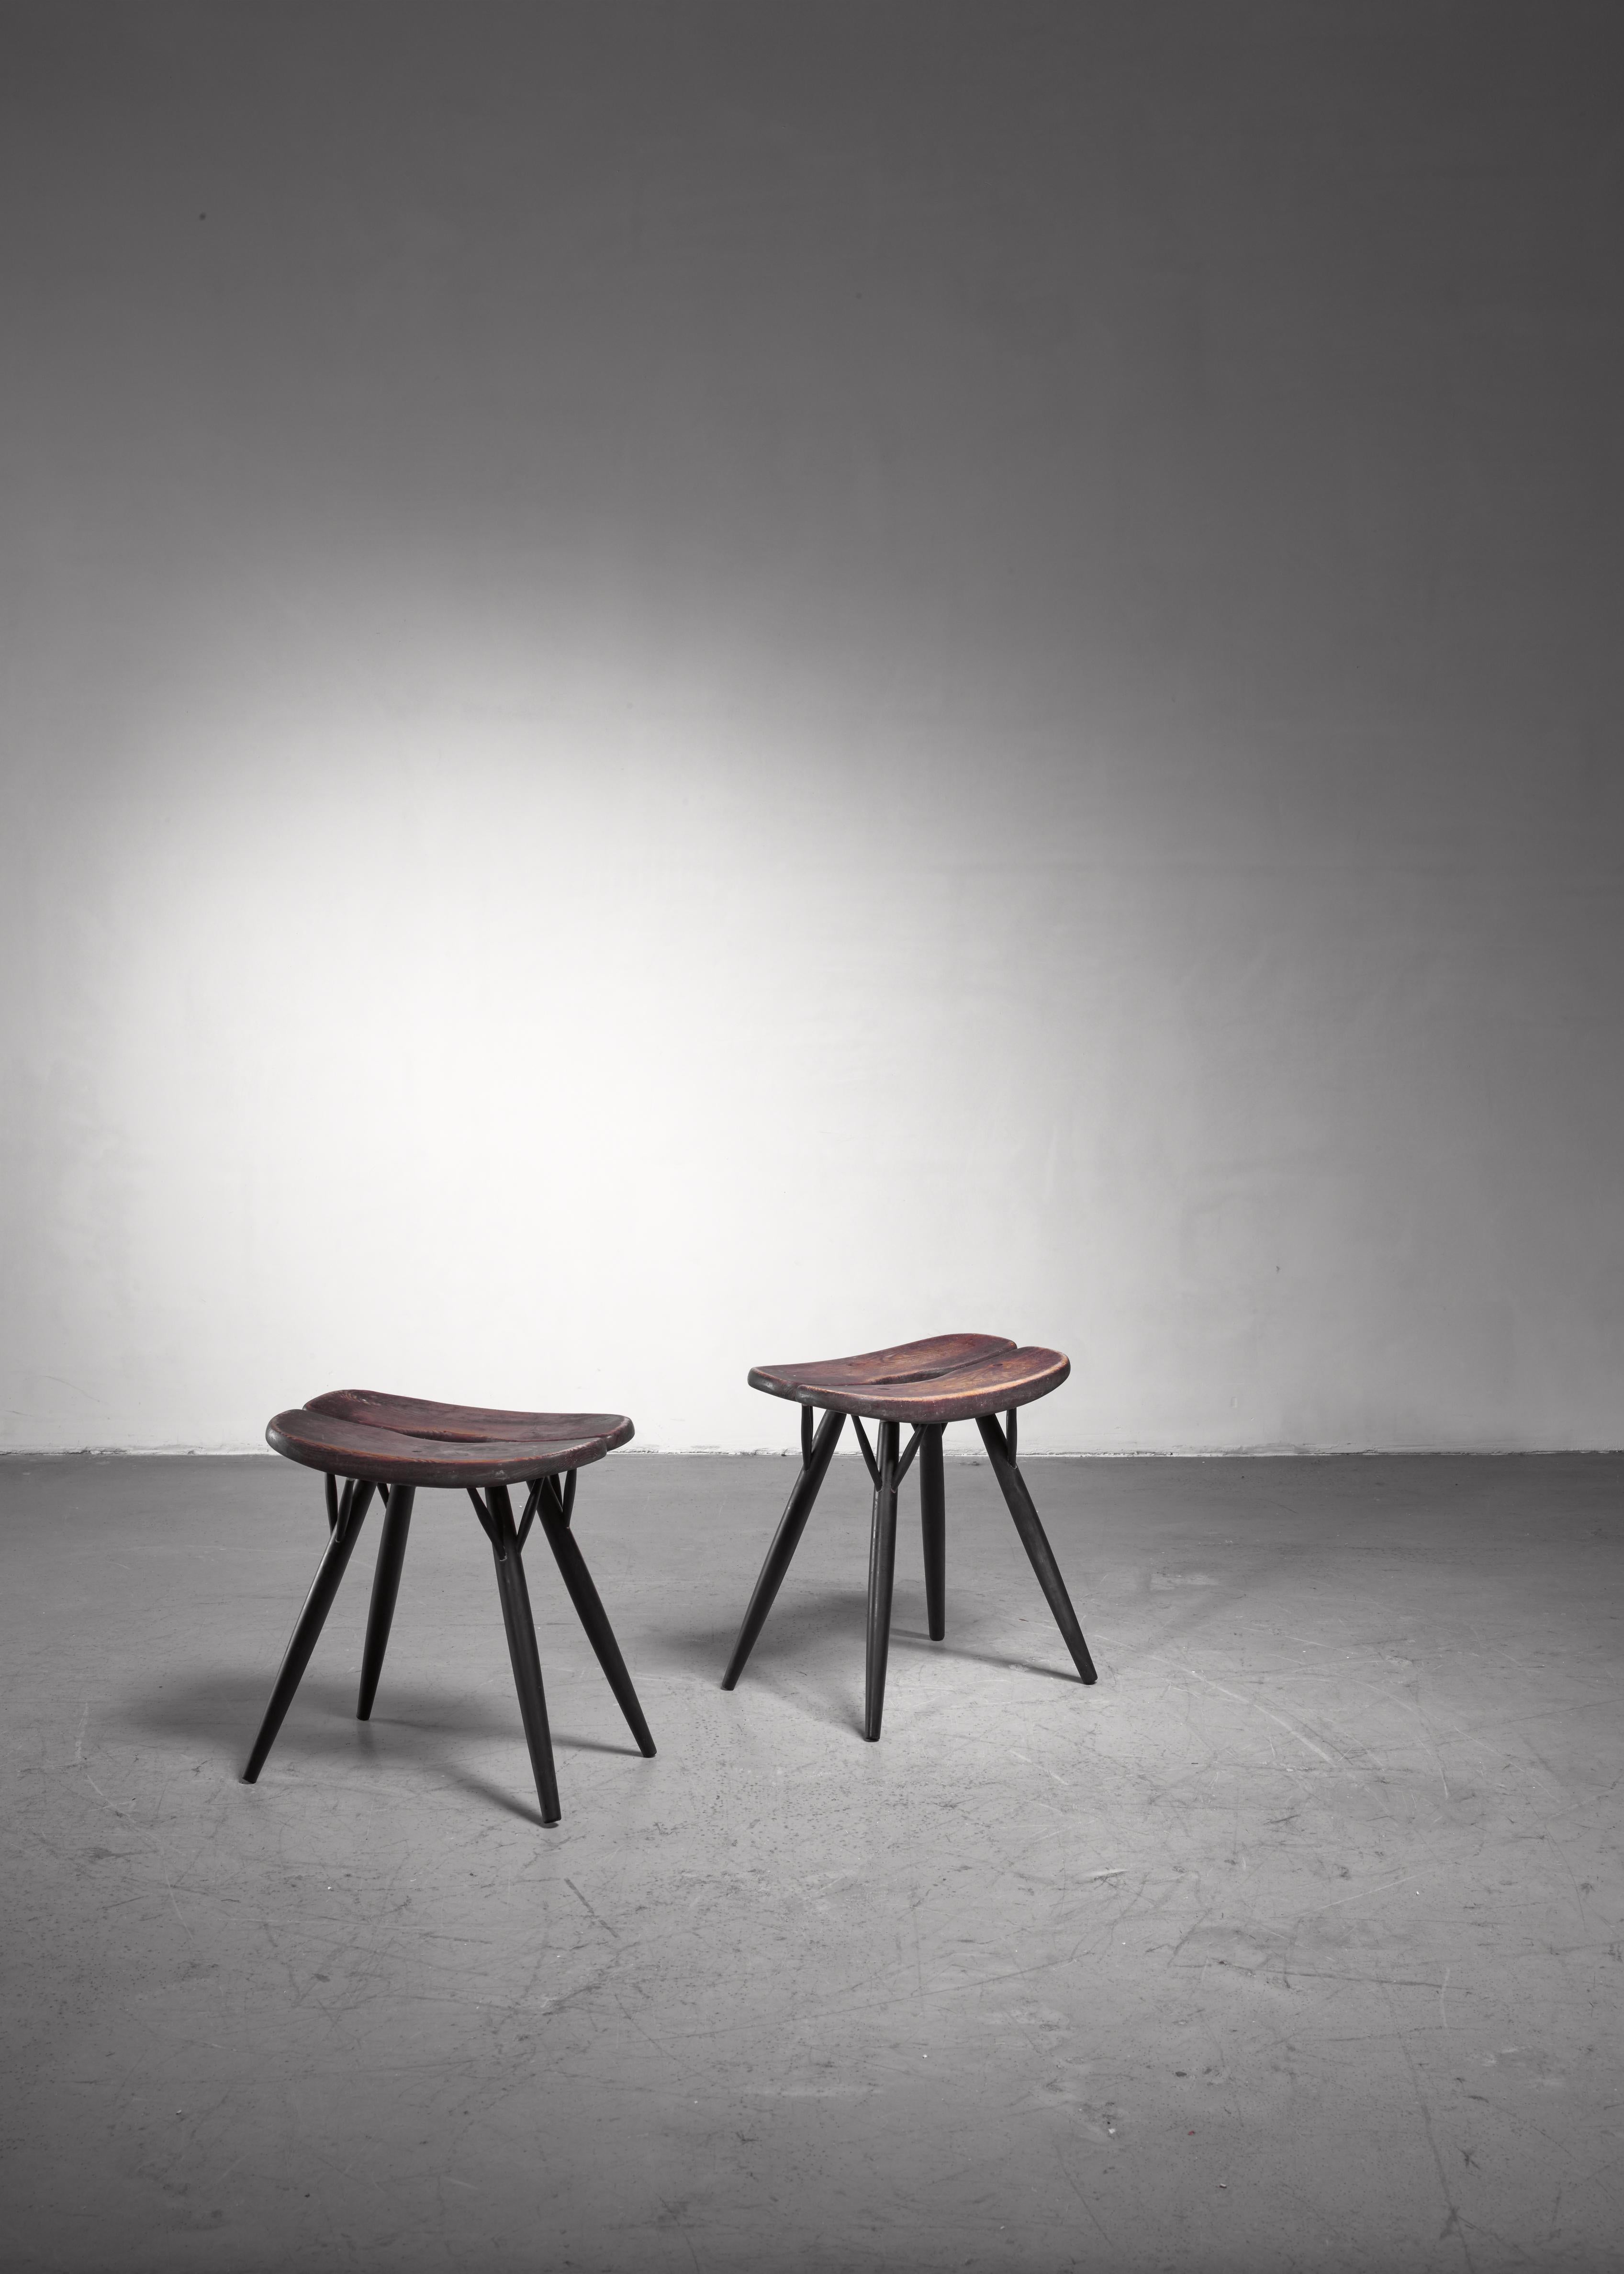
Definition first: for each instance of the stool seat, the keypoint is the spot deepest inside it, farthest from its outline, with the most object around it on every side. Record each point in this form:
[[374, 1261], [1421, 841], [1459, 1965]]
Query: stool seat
[[944, 1378], [388, 1449], [926, 1384], [416, 1440]]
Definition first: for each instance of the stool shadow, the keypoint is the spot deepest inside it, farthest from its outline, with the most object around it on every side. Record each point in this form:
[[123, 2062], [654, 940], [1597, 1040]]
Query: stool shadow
[[812, 1635], [220, 1711], [918, 1638], [820, 1634], [821, 1626], [819, 1622]]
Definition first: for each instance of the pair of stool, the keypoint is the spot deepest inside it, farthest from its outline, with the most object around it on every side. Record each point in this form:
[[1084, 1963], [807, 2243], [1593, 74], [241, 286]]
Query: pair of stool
[[391, 1447]]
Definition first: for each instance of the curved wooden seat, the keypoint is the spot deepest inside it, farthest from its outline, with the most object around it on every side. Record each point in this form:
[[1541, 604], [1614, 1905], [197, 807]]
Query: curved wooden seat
[[416, 1440], [926, 1384], [388, 1449], [944, 1378]]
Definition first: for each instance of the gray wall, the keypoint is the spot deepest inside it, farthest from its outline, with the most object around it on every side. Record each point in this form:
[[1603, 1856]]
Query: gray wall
[[684, 685]]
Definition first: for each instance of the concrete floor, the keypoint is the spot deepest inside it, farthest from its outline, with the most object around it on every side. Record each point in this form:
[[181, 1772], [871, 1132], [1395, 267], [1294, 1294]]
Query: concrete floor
[[1295, 1943]]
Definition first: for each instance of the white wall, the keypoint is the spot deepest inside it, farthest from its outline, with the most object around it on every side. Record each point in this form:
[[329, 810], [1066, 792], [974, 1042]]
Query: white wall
[[696, 686]]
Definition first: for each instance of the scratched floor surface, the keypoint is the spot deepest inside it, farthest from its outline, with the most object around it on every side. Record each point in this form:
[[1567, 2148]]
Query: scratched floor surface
[[1295, 1943]]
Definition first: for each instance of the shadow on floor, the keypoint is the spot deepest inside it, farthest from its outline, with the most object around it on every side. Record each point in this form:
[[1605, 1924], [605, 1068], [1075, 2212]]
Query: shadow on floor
[[917, 1639], [816, 1634], [427, 1728]]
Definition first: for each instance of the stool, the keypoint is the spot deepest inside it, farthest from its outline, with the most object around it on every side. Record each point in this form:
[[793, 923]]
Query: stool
[[947, 1378], [392, 1446]]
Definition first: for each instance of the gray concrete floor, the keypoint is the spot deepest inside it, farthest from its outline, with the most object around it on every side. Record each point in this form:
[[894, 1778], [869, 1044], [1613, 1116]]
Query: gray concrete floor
[[1296, 1943]]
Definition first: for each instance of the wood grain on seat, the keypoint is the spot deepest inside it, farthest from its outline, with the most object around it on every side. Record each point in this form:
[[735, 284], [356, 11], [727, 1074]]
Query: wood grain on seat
[[945, 1378], [418, 1441]]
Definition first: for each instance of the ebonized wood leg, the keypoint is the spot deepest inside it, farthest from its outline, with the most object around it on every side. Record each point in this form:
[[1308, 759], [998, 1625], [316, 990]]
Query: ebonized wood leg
[[1035, 1542], [348, 1515], [933, 1523], [881, 1574], [386, 1587], [590, 1611], [522, 1648], [786, 1541]]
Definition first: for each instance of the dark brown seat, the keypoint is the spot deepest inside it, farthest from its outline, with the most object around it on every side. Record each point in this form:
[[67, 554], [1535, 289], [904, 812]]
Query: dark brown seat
[[392, 1446], [928, 1384], [950, 1378]]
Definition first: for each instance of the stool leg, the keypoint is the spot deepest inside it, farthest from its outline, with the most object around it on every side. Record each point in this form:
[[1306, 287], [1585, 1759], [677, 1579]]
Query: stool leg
[[386, 1587], [786, 1541], [522, 1648], [882, 1573], [350, 1513], [933, 1523], [1033, 1539], [592, 1615]]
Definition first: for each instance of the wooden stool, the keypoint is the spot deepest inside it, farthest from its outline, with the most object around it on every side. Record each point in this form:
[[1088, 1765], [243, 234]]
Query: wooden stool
[[948, 1378], [392, 1446]]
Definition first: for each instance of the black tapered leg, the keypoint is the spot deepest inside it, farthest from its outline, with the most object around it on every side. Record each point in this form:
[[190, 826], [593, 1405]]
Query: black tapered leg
[[933, 1523], [350, 1513], [522, 1648], [881, 1574], [1035, 1542], [592, 1615], [386, 1587], [814, 1468]]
